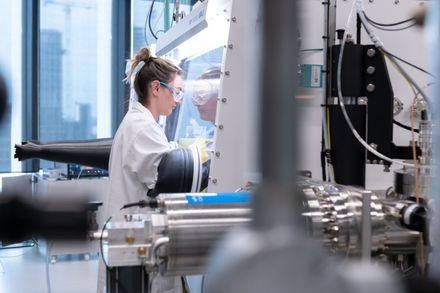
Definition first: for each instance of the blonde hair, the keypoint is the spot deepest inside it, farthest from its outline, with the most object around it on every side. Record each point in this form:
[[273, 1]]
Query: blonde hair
[[155, 68]]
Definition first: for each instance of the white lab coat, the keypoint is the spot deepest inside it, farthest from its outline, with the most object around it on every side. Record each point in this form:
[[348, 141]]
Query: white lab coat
[[136, 152]]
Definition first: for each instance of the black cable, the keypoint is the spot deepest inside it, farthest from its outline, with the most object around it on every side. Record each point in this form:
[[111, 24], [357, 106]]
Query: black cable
[[404, 126], [148, 276], [407, 63], [358, 29], [100, 243], [102, 255], [149, 19], [141, 203], [323, 167], [388, 24], [391, 29], [311, 50], [151, 202]]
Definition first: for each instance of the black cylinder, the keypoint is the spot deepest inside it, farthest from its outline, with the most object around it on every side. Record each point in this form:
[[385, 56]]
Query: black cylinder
[[347, 154]]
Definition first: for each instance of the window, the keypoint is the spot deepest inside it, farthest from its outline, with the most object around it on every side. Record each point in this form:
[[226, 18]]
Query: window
[[71, 87], [74, 70], [10, 68]]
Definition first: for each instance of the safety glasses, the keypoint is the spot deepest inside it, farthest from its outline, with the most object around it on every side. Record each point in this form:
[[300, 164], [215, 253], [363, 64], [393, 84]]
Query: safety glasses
[[178, 94], [203, 90], [201, 98]]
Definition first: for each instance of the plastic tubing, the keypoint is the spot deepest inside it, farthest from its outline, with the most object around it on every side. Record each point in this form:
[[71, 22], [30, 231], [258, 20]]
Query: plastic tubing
[[378, 44]]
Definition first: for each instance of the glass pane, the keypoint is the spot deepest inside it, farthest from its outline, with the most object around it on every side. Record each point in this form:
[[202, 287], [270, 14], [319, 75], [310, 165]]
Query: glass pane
[[75, 58], [198, 109], [10, 69], [200, 54]]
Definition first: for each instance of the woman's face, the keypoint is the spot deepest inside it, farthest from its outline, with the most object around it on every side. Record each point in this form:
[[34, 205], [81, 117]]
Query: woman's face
[[168, 100], [207, 109], [205, 93]]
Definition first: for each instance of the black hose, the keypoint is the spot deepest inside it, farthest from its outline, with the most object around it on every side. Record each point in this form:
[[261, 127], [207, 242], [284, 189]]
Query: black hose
[[405, 126]]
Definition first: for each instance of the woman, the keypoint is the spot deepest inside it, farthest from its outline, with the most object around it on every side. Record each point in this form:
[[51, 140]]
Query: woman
[[140, 142]]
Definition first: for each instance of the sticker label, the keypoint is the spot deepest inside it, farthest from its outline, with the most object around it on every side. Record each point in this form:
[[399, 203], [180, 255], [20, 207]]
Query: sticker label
[[218, 198], [310, 75]]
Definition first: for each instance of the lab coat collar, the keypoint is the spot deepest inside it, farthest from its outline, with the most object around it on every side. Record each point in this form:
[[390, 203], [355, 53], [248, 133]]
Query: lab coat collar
[[139, 107]]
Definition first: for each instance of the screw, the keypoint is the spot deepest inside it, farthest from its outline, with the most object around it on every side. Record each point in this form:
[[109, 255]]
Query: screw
[[371, 69], [396, 2], [220, 126], [374, 161], [214, 180], [371, 52], [362, 101], [142, 250], [373, 145], [230, 46], [371, 87], [234, 19], [129, 239], [217, 154], [224, 100], [227, 73]]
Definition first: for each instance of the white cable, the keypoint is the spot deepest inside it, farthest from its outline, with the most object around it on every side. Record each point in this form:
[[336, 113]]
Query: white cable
[[370, 32], [49, 289], [341, 102], [377, 42]]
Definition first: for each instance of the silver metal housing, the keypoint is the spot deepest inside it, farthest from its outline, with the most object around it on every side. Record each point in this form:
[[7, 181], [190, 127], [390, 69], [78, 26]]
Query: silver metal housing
[[177, 237]]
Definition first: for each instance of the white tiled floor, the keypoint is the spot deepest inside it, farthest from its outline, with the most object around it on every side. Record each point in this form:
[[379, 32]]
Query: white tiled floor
[[26, 270]]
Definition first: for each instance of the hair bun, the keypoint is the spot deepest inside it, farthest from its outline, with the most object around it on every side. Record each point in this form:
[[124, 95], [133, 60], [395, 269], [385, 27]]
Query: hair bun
[[144, 54]]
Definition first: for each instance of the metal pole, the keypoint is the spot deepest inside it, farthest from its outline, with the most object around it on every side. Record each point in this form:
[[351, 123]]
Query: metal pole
[[434, 28], [328, 41], [366, 227], [31, 75], [167, 16], [275, 202]]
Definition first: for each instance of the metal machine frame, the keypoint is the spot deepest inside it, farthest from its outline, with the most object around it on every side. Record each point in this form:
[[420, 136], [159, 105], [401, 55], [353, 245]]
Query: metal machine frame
[[237, 105]]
